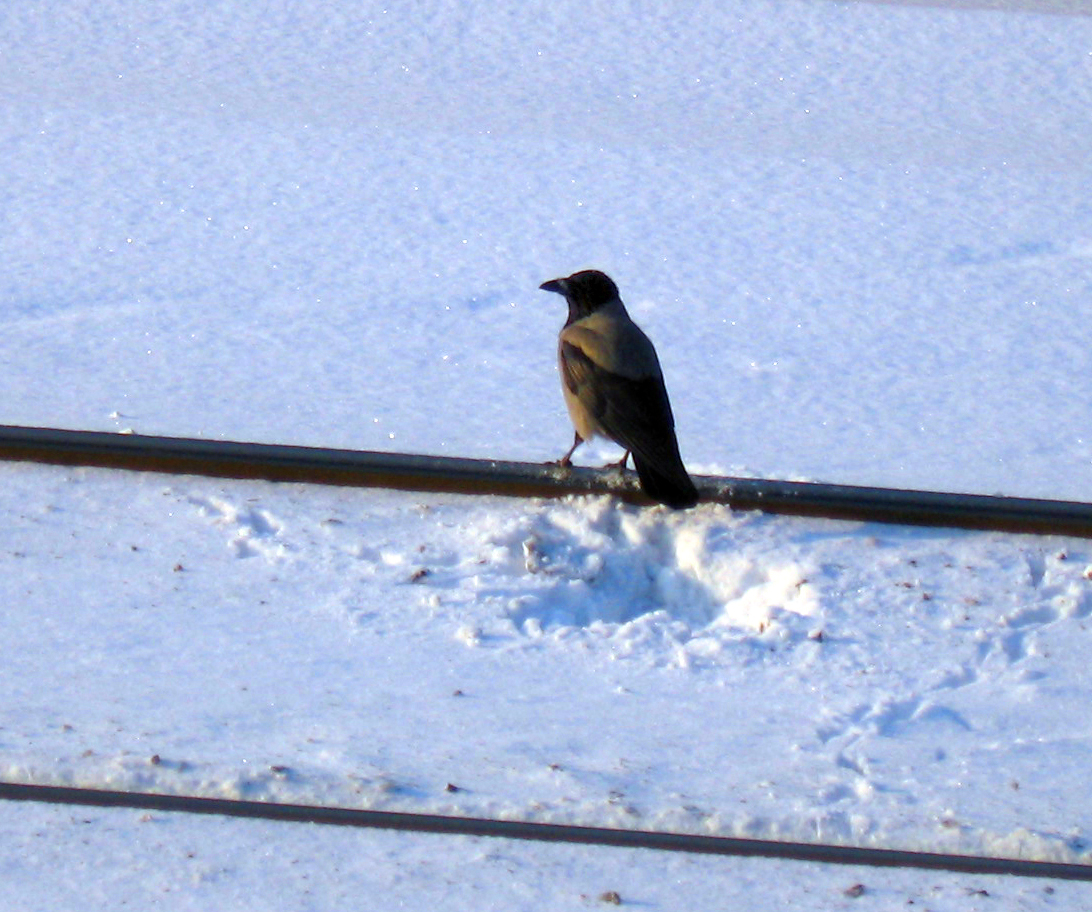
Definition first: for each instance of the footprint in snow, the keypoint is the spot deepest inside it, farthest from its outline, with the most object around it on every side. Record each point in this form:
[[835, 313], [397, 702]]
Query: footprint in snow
[[253, 532]]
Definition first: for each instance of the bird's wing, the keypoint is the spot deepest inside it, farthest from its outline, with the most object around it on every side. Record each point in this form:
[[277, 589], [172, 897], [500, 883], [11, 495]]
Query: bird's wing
[[614, 342], [635, 414]]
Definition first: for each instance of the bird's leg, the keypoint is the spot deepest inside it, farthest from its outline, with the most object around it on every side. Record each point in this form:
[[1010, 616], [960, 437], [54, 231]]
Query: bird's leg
[[620, 465], [567, 460]]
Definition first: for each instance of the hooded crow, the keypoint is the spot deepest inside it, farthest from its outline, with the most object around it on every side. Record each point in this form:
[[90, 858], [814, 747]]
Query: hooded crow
[[614, 388]]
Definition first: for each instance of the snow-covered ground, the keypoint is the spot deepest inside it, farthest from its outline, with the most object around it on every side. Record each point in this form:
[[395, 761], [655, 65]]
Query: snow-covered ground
[[860, 237]]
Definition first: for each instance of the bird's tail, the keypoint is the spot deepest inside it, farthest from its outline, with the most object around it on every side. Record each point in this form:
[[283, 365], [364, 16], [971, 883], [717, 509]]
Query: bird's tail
[[667, 484]]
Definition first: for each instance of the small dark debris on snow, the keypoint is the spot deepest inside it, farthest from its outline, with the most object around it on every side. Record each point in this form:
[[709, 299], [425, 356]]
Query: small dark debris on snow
[[816, 635], [612, 897], [280, 770], [155, 760], [178, 568], [854, 891], [452, 788], [419, 575], [457, 693]]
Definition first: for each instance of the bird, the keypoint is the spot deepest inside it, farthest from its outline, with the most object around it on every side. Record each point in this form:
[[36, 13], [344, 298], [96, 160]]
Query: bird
[[614, 387]]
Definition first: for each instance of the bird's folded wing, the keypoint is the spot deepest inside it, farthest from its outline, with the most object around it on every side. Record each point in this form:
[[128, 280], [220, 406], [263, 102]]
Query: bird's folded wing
[[614, 343], [636, 414]]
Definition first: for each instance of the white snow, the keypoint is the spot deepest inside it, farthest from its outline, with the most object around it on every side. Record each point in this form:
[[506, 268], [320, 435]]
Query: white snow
[[860, 237]]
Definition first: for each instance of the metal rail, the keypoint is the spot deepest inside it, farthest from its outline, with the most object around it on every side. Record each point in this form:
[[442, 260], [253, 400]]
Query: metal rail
[[278, 462], [546, 832]]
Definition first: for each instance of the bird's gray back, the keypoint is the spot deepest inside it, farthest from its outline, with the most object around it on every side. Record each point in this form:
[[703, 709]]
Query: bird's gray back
[[614, 342]]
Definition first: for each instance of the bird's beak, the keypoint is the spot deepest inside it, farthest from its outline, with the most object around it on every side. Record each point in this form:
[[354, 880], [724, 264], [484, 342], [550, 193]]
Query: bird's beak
[[558, 286]]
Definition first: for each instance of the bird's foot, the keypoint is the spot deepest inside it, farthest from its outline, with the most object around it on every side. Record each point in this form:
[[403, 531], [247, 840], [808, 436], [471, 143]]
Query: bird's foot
[[620, 465], [566, 461]]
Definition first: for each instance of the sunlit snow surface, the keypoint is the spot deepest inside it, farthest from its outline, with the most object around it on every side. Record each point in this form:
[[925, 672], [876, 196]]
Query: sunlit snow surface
[[860, 237], [580, 661], [859, 234]]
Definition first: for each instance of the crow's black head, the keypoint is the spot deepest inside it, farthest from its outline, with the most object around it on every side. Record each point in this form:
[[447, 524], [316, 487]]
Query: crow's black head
[[585, 291]]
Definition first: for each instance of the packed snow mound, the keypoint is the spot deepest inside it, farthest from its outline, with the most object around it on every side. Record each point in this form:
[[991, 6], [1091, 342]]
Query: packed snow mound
[[598, 564]]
